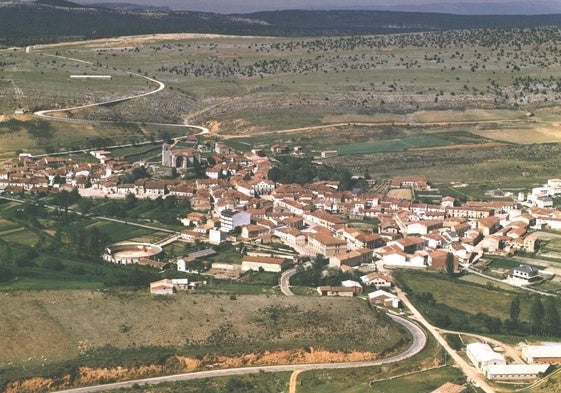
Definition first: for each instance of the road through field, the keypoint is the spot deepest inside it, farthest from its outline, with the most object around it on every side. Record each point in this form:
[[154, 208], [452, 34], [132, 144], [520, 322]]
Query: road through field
[[419, 342], [48, 113]]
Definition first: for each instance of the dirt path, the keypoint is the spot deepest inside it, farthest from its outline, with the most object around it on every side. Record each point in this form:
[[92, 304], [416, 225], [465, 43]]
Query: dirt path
[[509, 350], [373, 124], [293, 380]]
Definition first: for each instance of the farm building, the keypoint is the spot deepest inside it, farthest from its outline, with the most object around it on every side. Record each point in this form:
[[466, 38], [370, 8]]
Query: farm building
[[515, 371], [548, 353], [482, 356], [91, 77]]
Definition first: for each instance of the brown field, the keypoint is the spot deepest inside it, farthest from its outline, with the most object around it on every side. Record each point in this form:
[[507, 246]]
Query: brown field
[[400, 193], [460, 146], [481, 115], [541, 134]]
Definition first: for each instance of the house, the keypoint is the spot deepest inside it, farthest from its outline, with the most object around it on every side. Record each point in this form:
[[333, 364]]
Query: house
[[352, 284], [470, 212], [216, 236], [447, 201], [481, 355], [423, 227], [383, 298], [377, 279], [543, 202], [268, 264], [352, 258], [326, 244], [437, 259], [547, 353], [336, 291], [523, 275], [408, 244], [416, 182], [251, 231], [291, 236], [325, 220], [162, 287], [489, 225], [359, 239], [530, 243]]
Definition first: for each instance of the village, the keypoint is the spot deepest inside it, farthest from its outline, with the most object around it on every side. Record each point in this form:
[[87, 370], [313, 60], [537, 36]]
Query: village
[[284, 227]]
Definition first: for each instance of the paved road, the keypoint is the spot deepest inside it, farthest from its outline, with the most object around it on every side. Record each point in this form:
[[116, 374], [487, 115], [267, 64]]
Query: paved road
[[419, 342], [285, 281], [467, 369]]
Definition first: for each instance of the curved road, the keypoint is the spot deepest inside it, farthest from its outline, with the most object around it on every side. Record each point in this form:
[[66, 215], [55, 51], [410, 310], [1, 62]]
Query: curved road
[[419, 342], [47, 114], [285, 281]]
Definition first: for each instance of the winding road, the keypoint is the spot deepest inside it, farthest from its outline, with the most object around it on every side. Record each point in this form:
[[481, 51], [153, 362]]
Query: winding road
[[48, 113], [419, 342], [419, 338]]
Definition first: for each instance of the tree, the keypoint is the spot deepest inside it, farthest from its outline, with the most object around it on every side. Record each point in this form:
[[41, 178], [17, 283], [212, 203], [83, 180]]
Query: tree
[[515, 311], [450, 264], [551, 318], [536, 316]]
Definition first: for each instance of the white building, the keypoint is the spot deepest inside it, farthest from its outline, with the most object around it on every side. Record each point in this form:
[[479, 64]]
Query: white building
[[383, 298], [230, 219], [482, 356], [548, 353], [515, 371], [216, 237]]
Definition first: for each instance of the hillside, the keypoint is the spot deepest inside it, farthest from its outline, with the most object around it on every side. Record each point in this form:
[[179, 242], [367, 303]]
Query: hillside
[[70, 330], [48, 21]]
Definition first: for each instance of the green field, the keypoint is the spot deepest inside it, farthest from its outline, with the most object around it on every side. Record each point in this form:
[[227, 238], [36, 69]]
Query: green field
[[467, 297], [119, 232], [391, 145]]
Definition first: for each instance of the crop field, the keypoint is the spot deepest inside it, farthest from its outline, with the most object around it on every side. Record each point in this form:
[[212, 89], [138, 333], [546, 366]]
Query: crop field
[[391, 145], [20, 235]]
